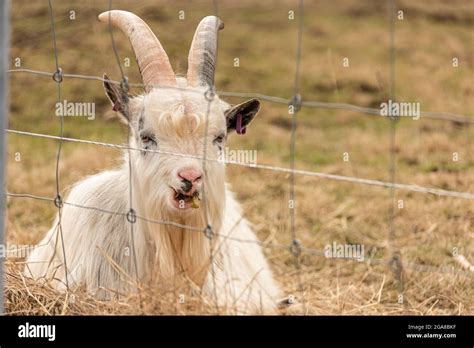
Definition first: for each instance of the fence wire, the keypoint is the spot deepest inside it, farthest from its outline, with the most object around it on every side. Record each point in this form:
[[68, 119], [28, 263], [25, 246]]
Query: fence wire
[[396, 263], [131, 215], [351, 179], [294, 103], [294, 107], [58, 201], [443, 116], [271, 245]]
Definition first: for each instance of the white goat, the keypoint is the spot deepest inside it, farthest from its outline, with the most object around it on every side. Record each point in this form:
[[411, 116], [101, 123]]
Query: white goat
[[99, 247]]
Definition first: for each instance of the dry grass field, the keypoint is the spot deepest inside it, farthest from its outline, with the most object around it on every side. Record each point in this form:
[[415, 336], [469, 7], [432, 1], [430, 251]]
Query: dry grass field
[[260, 34]]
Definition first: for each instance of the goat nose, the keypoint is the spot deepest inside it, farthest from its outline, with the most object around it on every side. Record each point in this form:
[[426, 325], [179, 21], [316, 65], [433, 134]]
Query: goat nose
[[190, 174]]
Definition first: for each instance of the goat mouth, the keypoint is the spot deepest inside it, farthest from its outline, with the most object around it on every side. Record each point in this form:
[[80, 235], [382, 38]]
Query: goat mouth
[[184, 201]]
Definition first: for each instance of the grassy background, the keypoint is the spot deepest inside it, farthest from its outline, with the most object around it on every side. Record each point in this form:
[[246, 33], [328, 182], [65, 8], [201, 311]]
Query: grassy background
[[264, 39]]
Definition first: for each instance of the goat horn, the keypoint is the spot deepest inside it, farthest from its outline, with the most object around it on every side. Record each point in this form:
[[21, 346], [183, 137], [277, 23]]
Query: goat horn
[[152, 59], [202, 54]]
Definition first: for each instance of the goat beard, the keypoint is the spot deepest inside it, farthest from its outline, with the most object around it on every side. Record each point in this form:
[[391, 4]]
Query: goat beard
[[178, 251]]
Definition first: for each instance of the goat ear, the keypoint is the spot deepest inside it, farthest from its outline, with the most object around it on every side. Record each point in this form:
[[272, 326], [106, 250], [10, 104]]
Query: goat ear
[[239, 116], [117, 96]]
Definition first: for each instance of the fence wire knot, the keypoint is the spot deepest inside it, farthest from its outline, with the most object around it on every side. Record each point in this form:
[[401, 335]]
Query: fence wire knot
[[58, 75], [396, 264], [131, 216], [296, 101], [58, 201], [295, 247], [210, 94], [124, 85], [208, 232]]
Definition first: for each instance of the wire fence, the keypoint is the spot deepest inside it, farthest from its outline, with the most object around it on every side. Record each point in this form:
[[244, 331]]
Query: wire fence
[[430, 115], [296, 102]]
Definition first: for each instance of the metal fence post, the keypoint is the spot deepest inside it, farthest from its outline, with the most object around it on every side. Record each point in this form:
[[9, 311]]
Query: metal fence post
[[4, 53]]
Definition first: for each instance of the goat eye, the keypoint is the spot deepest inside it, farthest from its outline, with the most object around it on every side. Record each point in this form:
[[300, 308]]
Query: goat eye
[[219, 139], [148, 139]]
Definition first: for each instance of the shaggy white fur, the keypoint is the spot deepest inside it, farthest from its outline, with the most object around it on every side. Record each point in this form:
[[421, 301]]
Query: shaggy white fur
[[99, 248], [101, 251]]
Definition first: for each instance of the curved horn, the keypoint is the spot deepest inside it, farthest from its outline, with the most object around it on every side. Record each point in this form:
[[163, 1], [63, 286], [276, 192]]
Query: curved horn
[[152, 59], [202, 54]]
